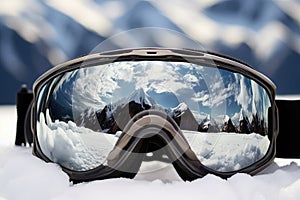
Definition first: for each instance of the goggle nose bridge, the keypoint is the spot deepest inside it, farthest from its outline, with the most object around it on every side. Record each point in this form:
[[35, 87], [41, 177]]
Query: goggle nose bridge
[[150, 135]]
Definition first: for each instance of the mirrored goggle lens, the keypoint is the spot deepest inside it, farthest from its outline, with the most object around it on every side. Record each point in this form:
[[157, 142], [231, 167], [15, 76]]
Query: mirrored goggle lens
[[222, 114]]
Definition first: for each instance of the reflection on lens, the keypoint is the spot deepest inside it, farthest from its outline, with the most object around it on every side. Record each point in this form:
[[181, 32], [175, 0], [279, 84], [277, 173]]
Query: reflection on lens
[[73, 147], [227, 152], [222, 114]]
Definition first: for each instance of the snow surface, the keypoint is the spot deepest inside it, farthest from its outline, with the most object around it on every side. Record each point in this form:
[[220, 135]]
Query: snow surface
[[23, 176], [77, 148], [227, 151]]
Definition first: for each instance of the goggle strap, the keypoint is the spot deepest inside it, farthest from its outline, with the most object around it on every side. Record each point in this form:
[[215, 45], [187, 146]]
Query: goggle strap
[[24, 99], [288, 140]]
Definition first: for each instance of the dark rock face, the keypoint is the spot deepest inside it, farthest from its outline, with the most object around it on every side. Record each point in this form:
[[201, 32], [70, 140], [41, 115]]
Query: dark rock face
[[89, 119], [122, 115], [208, 125], [105, 117], [229, 127], [244, 126], [186, 120], [258, 125]]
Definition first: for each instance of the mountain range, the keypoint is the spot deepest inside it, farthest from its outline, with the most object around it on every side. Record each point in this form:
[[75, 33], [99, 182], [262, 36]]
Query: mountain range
[[36, 35], [115, 116]]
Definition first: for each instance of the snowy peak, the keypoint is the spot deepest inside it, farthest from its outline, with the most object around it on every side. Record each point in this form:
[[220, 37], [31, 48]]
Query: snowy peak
[[114, 117], [138, 96], [178, 110], [226, 118], [184, 117], [243, 115], [208, 124], [228, 125], [209, 119], [141, 97]]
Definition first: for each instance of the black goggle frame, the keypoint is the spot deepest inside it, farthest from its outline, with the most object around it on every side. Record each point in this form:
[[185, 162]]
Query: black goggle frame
[[27, 104]]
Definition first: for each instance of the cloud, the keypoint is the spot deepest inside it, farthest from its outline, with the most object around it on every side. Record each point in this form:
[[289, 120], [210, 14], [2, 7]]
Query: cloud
[[243, 96], [217, 90], [260, 101], [97, 86], [256, 99]]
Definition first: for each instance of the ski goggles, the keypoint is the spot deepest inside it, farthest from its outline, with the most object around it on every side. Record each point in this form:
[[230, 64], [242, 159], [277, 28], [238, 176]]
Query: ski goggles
[[103, 115]]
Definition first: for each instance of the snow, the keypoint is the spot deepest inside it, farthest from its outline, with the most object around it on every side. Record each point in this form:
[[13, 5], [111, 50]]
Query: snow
[[227, 151], [140, 97], [208, 120], [181, 107], [23, 176], [178, 110], [77, 148]]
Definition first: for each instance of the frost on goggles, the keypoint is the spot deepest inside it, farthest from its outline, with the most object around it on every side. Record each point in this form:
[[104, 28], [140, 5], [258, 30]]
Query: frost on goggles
[[222, 114]]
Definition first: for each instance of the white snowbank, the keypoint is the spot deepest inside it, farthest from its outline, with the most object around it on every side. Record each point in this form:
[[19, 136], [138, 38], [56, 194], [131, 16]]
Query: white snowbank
[[227, 151], [74, 147], [23, 176]]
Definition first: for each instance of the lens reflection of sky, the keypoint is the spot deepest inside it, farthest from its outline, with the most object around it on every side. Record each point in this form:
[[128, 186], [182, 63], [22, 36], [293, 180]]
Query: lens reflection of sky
[[167, 99], [205, 90]]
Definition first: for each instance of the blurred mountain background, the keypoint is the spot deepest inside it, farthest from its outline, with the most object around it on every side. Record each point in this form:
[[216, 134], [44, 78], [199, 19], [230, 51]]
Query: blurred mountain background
[[36, 35]]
